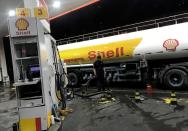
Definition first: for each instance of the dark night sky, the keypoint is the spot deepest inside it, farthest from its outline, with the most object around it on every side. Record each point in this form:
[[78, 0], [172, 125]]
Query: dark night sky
[[112, 13]]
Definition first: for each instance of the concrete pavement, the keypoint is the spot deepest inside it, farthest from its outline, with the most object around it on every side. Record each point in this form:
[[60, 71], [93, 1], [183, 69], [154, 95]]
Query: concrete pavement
[[8, 108], [153, 114], [123, 114]]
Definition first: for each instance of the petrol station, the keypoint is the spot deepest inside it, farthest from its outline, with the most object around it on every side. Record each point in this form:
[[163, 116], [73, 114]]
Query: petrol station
[[52, 84]]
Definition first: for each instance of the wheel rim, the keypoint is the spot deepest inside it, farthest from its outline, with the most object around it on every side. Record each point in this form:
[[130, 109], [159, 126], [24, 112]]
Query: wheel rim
[[176, 79], [73, 80]]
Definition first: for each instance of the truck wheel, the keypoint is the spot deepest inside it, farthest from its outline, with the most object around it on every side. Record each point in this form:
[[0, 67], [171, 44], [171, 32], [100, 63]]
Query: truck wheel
[[73, 79], [176, 79]]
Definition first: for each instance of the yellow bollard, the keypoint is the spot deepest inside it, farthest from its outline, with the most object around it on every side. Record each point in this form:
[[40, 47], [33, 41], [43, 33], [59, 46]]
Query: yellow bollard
[[137, 96], [173, 99]]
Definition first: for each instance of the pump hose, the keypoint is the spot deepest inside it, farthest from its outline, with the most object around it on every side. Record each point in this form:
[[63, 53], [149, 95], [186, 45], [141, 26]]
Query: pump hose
[[64, 73], [60, 89]]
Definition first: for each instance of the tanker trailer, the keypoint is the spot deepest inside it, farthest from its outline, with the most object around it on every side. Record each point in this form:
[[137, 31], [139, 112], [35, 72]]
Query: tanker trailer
[[158, 54]]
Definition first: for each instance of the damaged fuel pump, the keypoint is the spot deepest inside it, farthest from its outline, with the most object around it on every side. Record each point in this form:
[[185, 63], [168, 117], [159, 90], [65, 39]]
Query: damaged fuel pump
[[37, 74]]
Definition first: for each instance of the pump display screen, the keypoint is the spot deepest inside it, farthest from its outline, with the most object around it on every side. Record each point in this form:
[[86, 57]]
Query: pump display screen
[[35, 69]]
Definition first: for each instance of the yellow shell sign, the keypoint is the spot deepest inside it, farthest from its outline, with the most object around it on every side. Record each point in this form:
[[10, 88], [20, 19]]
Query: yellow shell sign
[[41, 12], [22, 24], [22, 12]]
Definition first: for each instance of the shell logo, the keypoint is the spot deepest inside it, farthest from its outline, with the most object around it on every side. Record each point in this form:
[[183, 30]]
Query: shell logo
[[171, 44], [22, 24]]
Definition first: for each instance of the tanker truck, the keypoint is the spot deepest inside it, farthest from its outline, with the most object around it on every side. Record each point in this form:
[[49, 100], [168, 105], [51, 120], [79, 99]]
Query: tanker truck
[[156, 54]]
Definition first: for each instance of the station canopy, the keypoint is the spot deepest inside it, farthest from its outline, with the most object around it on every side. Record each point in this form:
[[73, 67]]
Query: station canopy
[[66, 6]]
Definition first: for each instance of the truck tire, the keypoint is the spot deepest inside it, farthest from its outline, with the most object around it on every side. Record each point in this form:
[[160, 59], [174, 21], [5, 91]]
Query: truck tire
[[73, 79], [176, 79]]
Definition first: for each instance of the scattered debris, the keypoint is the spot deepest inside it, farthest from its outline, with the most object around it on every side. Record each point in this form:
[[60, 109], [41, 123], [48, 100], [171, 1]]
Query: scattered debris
[[107, 98], [65, 112]]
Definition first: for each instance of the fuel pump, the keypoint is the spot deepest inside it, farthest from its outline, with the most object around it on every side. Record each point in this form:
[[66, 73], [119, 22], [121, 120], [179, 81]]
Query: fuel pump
[[35, 66]]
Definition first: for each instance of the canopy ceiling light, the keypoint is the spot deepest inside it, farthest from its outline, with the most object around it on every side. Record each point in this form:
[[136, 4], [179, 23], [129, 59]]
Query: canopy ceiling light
[[56, 4], [11, 13]]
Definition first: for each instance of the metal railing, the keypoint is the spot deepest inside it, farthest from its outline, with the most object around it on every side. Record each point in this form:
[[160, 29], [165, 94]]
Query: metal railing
[[175, 19]]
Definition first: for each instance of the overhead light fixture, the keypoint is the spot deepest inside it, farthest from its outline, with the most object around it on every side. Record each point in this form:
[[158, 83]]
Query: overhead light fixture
[[11, 13], [56, 4]]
